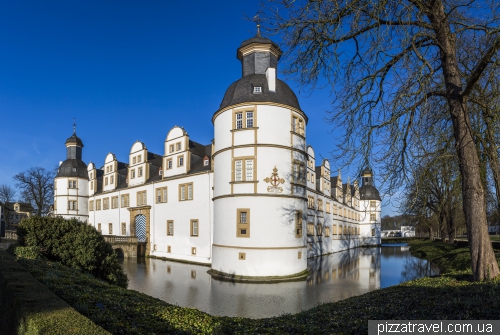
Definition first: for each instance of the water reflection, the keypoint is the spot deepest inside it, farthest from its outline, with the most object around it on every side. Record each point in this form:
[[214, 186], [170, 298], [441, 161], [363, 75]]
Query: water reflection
[[332, 278]]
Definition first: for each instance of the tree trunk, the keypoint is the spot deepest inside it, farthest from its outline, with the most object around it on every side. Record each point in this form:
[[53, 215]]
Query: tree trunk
[[492, 154], [484, 264], [431, 233]]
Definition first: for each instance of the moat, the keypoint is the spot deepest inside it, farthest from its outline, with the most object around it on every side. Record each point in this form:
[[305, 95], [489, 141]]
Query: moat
[[332, 278]]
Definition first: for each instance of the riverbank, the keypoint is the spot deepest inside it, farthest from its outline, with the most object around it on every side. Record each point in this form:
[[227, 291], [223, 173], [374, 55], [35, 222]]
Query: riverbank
[[449, 296]]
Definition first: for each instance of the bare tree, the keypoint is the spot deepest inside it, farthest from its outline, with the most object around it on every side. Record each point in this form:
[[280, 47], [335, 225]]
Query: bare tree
[[388, 62], [7, 195], [37, 187]]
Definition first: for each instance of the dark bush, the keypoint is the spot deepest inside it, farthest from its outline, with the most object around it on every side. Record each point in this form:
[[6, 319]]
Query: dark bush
[[72, 243]]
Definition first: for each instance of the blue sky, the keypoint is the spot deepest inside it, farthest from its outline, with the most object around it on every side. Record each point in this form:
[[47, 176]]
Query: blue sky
[[127, 71]]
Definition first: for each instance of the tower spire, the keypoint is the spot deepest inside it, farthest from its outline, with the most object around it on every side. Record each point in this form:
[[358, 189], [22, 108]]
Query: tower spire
[[74, 126]]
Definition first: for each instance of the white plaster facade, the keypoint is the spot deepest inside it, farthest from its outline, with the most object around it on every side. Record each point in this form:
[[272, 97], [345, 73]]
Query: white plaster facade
[[252, 203]]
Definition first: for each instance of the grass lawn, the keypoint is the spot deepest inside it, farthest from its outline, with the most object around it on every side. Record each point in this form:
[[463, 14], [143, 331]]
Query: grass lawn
[[452, 295]]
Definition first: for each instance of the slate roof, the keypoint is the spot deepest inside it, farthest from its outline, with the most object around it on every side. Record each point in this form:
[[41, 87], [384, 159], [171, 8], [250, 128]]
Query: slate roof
[[369, 192], [75, 139], [241, 91], [257, 39], [73, 168], [198, 152]]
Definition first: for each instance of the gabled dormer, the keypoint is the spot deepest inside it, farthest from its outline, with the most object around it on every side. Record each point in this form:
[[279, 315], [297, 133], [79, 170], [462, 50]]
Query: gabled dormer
[[323, 178], [92, 171], [110, 179], [336, 186], [347, 193], [138, 169], [177, 157], [311, 171], [355, 193]]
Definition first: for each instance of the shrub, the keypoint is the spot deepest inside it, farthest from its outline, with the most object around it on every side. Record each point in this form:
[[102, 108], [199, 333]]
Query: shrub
[[72, 243]]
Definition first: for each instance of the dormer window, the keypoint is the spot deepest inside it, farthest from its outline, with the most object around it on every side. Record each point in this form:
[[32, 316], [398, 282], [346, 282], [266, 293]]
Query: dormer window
[[205, 162], [257, 89]]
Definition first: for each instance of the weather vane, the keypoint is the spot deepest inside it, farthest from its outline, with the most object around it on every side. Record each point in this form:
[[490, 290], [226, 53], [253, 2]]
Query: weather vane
[[257, 20], [74, 125]]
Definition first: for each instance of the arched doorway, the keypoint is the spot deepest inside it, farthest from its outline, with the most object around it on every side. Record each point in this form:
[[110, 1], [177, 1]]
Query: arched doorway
[[119, 253], [140, 228]]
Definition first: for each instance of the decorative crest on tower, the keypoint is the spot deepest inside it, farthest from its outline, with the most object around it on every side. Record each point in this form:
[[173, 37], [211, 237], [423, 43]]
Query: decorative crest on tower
[[275, 181]]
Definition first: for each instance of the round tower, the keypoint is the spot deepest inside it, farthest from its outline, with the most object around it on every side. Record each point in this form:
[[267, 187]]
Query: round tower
[[259, 172], [371, 208], [71, 184]]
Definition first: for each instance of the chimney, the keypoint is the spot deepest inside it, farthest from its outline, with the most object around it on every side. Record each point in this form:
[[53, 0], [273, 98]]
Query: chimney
[[271, 79]]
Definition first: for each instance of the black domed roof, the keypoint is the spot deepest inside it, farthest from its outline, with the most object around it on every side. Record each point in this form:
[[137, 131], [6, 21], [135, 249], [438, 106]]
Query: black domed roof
[[369, 192], [74, 140], [367, 170], [241, 91], [73, 168], [257, 39]]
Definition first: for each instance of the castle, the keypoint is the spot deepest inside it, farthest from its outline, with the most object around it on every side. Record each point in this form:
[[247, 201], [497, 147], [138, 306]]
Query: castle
[[253, 203]]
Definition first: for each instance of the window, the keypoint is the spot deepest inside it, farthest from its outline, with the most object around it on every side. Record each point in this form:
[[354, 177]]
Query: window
[[106, 181], [298, 125], [139, 159], [373, 232], [71, 205], [124, 228], [161, 195], [98, 205], [169, 164], [134, 160], [72, 184], [180, 161], [99, 227], [250, 119], [141, 198], [178, 145], [110, 229], [310, 202], [334, 232], [328, 207], [327, 231], [114, 202], [193, 252], [205, 162], [239, 120], [112, 180], [373, 217], [194, 227], [319, 229], [171, 148], [298, 224], [132, 174], [244, 120], [257, 89], [91, 205], [320, 204], [373, 204], [139, 172], [243, 169], [125, 200], [170, 228], [310, 228], [91, 185], [299, 173], [105, 203], [186, 192], [107, 169], [243, 222]]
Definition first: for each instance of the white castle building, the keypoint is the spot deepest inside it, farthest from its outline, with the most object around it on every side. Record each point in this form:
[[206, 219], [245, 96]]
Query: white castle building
[[253, 203]]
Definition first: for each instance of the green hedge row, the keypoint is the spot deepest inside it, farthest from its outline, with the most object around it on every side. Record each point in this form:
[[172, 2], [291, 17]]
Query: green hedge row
[[29, 307]]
